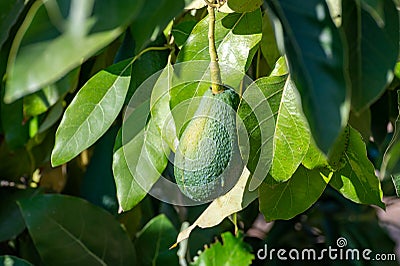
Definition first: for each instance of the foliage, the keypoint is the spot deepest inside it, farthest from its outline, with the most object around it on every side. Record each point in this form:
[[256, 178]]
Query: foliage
[[95, 96]]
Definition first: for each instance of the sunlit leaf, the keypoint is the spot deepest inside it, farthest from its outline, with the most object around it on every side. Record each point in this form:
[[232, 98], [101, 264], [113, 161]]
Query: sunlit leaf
[[92, 112], [357, 180], [137, 165], [222, 253], [13, 261]]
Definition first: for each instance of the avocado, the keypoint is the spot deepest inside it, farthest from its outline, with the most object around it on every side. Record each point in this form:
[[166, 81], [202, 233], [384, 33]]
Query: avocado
[[207, 162]]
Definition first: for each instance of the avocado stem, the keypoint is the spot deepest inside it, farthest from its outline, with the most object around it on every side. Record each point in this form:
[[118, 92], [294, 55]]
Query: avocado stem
[[216, 81]]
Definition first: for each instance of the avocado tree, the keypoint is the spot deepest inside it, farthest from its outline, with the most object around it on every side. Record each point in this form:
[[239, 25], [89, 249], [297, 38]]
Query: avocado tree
[[162, 132]]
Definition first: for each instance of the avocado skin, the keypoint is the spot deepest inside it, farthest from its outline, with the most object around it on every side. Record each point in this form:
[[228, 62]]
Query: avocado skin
[[208, 162]]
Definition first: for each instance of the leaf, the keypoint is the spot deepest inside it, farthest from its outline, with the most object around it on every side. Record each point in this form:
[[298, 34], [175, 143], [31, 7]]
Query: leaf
[[137, 165], [40, 101], [11, 221], [16, 130], [235, 35], [238, 198], [92, 235], [92, 112], [152, 19], [10, 10], [45, 54], [241, 6], [357, 180], [153, 242], [288, 199], [13, 261], [318, 75], [160, 107], [182, 30], [391, 159], [314, 157], [373, 42], [233, 251], [292, 136], [258, 110], [98, 186], [268, 44]]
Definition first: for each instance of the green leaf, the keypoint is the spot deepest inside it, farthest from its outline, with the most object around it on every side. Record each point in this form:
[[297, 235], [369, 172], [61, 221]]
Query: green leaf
[[11, 221], [45, 54], [357, 180], [373, 43], [288, 199], [242, 6], [16, 130], [160, 108], [13, 261], [259, 120], [68, 230], [235, 35], [154, 240], [182, 31], [10, 10], [291, 137], [138, 164], [391, 159], [92, 112], [268, 44], [152, 19], [318, 75], [145, 66], [40, 101], [98, 186], [314, 157], [233, 251]]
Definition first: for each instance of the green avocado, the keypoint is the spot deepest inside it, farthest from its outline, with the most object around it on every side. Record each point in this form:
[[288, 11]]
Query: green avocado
[[207, 161]]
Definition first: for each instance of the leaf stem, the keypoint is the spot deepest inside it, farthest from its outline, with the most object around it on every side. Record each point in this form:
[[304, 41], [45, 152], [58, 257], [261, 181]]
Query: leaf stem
[[216, 82]]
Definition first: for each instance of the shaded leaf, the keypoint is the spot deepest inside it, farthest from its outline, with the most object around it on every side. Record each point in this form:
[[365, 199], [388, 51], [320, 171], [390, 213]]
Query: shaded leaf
[[11, 221], [13, 261], [92, 235], [182, 31], [233, 251], [268, 44], [241, 6], [98, 186], [10, 10], [152, 19], [40, 101], [373, 43], [137, 165], [391, 159], [45, 54], [16, 129], [154, 240], [318, 75], [357, 180], [288, 199], [92, 112]]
